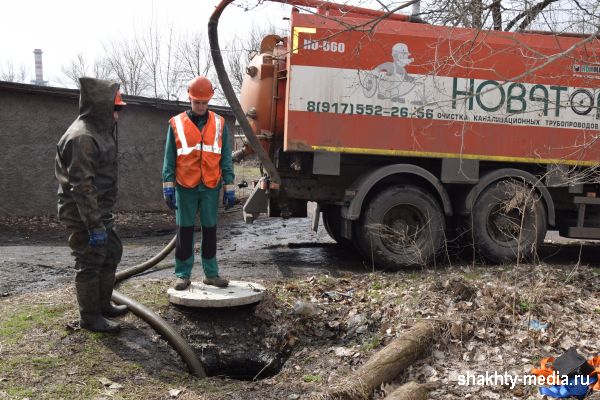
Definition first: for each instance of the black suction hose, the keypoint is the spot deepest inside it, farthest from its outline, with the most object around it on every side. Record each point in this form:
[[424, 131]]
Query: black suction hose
[[213, 38], [166, 330], [122, 275], [154, 320]]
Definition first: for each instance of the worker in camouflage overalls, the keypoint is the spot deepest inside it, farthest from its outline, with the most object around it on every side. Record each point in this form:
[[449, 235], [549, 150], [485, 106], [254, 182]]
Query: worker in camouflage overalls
[[86, 169], [197, 163]]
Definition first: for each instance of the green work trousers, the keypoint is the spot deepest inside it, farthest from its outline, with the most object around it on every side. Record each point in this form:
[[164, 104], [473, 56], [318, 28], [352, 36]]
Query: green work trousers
[[189, 201]]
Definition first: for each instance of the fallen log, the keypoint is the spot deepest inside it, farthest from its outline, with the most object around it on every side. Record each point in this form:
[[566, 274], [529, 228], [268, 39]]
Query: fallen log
[[384, 365], [410, 391]]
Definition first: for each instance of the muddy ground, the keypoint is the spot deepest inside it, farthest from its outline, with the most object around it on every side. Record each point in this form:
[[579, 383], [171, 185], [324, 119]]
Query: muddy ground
[[326, 313]]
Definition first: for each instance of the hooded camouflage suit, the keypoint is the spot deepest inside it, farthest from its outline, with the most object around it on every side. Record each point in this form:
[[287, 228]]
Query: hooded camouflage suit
[[86, 169]]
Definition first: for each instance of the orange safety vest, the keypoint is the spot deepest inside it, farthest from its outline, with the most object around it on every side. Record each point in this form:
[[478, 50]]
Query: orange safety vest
[[198, 153]]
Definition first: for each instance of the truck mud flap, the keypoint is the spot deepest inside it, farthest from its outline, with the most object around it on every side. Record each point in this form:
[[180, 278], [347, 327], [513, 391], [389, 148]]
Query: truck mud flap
[[255, 205]]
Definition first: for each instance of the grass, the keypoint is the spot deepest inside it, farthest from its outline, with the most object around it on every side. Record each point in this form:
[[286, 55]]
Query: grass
[[472, 276], [15, 325], [326, 280], [15, 364], [525, 305], [374, 294], [413, 276], [312, 378], [83, 389], [372, 343], [19, 392], [247, 172], [376, 285], [40, 359], [153, 293]]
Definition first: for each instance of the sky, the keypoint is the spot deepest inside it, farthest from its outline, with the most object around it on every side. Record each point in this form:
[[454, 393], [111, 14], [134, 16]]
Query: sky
[[64, 28]]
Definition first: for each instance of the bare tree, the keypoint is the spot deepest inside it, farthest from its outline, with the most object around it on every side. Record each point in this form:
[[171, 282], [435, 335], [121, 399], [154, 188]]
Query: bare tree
[[150, 44], [548, 15], [169, 68], [126, 60], [8, 73], [79, 66], [162, 61], [76, 68], [193, 56]]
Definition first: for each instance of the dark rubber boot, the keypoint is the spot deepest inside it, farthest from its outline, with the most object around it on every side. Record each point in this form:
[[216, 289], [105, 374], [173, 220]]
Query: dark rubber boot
[[107, 282], [88, 297]]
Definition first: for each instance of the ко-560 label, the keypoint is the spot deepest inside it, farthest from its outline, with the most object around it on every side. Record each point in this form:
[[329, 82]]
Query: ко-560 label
[[335, 47]]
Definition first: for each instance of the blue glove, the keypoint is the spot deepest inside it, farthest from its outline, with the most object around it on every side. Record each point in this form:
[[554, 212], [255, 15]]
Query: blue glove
[[169, 196], [98, 238], [228, 196]]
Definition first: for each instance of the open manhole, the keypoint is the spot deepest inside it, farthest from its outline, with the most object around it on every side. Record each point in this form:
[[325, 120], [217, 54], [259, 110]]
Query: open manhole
[[232, 342]]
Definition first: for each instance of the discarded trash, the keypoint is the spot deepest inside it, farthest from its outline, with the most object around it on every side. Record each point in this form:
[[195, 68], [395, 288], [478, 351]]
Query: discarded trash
[[573, 388], [338, 296], [569, 375], [536, 325], [571, 363]]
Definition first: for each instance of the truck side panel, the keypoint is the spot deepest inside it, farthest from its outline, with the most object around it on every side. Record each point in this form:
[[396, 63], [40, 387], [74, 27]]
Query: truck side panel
[[421, 90]]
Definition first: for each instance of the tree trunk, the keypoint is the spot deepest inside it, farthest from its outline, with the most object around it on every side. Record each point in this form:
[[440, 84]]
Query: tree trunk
[[409, 391], [384, 365]]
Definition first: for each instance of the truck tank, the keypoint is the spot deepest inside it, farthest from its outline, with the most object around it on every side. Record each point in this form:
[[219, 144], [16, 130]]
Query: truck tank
[[263, 91]]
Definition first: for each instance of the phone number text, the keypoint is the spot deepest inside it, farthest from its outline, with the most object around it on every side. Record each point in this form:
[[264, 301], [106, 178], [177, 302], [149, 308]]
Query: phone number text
[[367, 109]]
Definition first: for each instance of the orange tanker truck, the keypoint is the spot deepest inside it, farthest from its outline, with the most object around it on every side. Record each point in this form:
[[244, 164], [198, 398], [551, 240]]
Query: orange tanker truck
[[403, 132]]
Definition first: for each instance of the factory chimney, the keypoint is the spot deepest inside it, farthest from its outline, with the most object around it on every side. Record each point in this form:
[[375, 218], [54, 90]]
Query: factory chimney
[[39, 71]]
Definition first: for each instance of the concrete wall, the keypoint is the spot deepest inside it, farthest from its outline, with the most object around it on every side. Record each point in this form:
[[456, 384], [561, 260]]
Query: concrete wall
[[32, 120]]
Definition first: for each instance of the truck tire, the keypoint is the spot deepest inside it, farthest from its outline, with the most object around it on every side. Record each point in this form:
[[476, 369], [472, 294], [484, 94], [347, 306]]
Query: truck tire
[[332, 218], [509, 222], [402, 226]]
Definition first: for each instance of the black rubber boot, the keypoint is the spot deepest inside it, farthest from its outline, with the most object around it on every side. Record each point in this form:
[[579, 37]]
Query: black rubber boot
[[88, 297], [107, 282]]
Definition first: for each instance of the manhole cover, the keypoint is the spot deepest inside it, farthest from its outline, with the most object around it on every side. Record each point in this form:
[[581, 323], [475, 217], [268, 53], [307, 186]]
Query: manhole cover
[[238, 293]]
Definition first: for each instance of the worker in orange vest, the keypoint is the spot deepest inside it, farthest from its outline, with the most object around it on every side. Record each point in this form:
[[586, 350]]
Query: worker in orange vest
[[197, 163]]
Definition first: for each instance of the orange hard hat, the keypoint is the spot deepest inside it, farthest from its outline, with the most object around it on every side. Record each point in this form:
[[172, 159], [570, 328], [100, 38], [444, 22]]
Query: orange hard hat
[[200, 88], [119, 101]]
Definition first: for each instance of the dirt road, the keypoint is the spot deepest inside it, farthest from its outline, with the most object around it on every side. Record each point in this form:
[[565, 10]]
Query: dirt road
[[34, 254]]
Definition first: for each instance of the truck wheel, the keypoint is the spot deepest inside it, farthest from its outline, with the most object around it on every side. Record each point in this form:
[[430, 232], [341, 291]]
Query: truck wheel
[[402, 226], [509, 222], [332, 218]]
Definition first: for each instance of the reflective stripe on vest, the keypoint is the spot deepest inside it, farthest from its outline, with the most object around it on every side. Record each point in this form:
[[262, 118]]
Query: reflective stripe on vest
[[199, 162], [215, 148]]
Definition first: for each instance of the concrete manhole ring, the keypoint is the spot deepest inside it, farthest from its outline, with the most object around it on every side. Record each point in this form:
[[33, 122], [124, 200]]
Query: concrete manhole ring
[[238, 293]]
